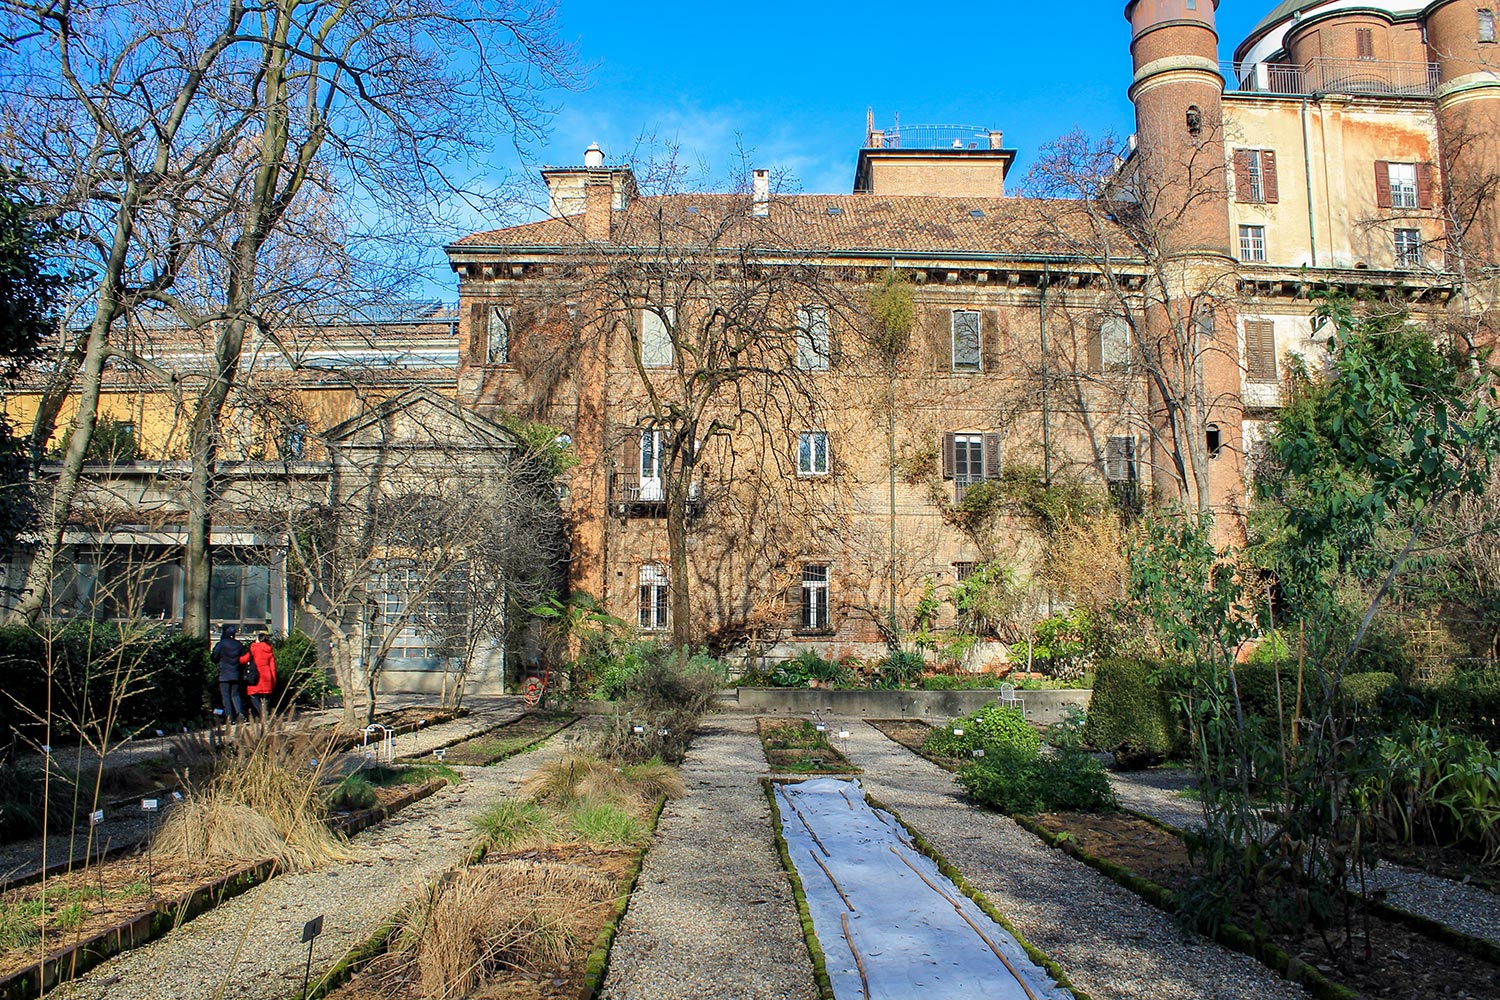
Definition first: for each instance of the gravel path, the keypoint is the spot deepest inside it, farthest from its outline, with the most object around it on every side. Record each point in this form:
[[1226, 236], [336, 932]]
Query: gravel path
[[254, 940], [1111, 944], [1465, 908], [713, 914]]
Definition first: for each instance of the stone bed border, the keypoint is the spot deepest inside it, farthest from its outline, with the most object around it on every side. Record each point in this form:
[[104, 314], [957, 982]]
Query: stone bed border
[[923, 845], [527, 748], [166, 915]]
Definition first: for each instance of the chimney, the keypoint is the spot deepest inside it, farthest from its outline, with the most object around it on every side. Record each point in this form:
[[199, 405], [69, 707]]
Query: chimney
[[760, 203], [997, 140], [598, 198], [593, 157]]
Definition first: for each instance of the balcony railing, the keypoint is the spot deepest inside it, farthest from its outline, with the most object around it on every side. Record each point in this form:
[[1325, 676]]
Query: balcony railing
[[1378, 77], [631, 495]]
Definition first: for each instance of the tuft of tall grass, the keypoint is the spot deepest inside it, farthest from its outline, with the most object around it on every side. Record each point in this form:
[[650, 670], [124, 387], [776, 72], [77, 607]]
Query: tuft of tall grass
[[605, 824], [653, 779], [351, 793], [513, 824], [263, 802], [573, 776], [527, 916]]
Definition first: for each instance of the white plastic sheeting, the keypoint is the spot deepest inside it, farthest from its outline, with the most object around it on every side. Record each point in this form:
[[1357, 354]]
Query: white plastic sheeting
[[869, 893]]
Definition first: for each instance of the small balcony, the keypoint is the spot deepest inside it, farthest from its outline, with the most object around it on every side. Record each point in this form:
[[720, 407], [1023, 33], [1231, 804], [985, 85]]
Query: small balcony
[[1374, 77], [630, 495]]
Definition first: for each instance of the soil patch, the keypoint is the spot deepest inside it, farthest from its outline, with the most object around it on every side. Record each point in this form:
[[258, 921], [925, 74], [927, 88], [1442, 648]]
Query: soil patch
[[507, 740], [1400, 964], [801, 748]]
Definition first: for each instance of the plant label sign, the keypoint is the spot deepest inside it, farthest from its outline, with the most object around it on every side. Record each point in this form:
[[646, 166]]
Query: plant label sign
[[96, 817], [661, 732], [46, 748], [843, 734], [440, 753], [312, 928], [822, 727], [958, 732], [176, 796], [638, 730], [217, 711], [979, 752], [148, 805], [160, 733]]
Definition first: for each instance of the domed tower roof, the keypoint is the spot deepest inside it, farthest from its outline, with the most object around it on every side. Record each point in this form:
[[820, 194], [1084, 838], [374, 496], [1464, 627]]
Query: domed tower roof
[[1265, 41]]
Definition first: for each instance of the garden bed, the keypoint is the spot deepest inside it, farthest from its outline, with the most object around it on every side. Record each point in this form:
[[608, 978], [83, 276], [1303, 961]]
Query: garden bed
[[1403, 963], [800, 748], [507, 740]]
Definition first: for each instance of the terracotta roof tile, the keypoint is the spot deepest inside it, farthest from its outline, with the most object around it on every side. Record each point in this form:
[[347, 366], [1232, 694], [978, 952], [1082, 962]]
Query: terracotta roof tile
[[855, 223]]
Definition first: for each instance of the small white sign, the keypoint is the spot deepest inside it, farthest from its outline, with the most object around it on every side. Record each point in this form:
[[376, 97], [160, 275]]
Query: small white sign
[[96, 817], [149, 805], [160, 733], [440, 753], [822, 727], [176, 796], [315, 762], [661, 732], [979, 752], [843, 734], [637, 729], [958, 732], [46, 748], [217, 711]]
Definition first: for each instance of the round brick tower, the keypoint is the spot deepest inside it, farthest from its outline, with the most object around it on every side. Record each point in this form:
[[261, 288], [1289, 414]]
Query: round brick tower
[[1462, 40], [1183, 178]]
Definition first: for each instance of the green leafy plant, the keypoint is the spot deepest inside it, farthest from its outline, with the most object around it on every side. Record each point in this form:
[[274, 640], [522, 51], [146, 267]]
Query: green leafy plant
[[1066, 780], [995, 729]]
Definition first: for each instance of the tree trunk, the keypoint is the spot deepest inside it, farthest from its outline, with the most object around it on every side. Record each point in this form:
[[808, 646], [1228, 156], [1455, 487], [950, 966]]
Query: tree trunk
[[677, 556]]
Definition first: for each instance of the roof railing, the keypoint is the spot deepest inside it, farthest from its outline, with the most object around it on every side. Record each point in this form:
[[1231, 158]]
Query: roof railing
[[1371, 77]]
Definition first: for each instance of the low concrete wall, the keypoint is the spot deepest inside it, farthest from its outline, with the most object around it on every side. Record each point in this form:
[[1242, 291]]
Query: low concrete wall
[[1040, 707]]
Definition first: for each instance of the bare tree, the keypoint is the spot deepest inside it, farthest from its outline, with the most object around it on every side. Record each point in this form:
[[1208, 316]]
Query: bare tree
[[717, 307], [1169, 326], [180, 140]]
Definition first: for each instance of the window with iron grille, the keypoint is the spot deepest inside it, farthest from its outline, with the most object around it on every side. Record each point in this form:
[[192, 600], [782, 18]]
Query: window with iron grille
[[1486, 25], [812, 338], [1253, 243], [963, 570], [654, 591], [966, 340], [814, 597], [1408, 248]]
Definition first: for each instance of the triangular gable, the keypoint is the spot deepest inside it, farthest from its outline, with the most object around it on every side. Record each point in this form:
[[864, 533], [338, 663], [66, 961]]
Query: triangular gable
[[418, 417]]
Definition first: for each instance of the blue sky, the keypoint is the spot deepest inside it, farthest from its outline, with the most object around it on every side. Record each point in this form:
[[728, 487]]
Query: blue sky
[[792, 81]]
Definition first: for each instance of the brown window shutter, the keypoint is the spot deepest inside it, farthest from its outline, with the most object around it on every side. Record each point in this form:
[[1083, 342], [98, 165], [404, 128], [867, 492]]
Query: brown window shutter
[[1242, 175], [1424, 186], [478, 333], [989, 341], [1383, 183], [1268, 183], [991, 455], [1260, 351], [794, 599], [948, 455], [1364, 43], [1096, 346]]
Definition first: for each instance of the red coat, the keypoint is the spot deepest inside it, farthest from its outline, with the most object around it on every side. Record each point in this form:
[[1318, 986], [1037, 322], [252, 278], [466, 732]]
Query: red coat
[[265, 666]]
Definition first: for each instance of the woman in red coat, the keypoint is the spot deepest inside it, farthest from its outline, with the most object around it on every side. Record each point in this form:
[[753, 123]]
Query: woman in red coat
[[264, 660]]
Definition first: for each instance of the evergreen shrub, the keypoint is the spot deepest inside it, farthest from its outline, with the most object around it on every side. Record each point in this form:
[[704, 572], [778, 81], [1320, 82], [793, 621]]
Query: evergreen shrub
[[1130, 715]]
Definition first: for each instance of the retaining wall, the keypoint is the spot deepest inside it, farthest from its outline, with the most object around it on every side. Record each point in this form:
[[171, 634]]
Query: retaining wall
[[1040, 707]]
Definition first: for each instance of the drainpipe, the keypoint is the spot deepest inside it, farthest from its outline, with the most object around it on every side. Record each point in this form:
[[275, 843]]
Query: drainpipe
[[1046, 378], [1312, 229]]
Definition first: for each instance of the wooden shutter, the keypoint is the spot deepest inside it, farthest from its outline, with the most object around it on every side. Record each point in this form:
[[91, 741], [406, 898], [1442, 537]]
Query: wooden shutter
[[795, 611], [1424, 186], [1269, 186], [989, 341], [1242, 186], [1260, 350], [991, 455], [1096, 346], [478, 332], [835, 345], [1114, 458], [1364, 43], [948, 461], [1383, 183]]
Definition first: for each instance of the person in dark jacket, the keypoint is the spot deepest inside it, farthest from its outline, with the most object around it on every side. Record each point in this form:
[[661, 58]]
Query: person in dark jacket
[[264, 683], [226, 656]]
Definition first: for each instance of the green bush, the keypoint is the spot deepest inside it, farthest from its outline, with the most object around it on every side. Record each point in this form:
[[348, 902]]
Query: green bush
[[153, 679], [1129, 715], [1064, 781], [301, 678], [352, 793], [1469, 703], [1365, 691], [902, 667], [994, 729]]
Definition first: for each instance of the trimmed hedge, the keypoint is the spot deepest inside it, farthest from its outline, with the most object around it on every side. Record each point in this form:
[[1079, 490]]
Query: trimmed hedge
[[1064, 781], [1129, 715], [156, 679]]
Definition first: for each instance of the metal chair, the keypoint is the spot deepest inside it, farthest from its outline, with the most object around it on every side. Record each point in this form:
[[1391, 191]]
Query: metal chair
[[1009, 698]]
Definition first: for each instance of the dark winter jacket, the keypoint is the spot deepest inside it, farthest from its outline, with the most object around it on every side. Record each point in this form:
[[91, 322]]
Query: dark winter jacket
[[227, 653]]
